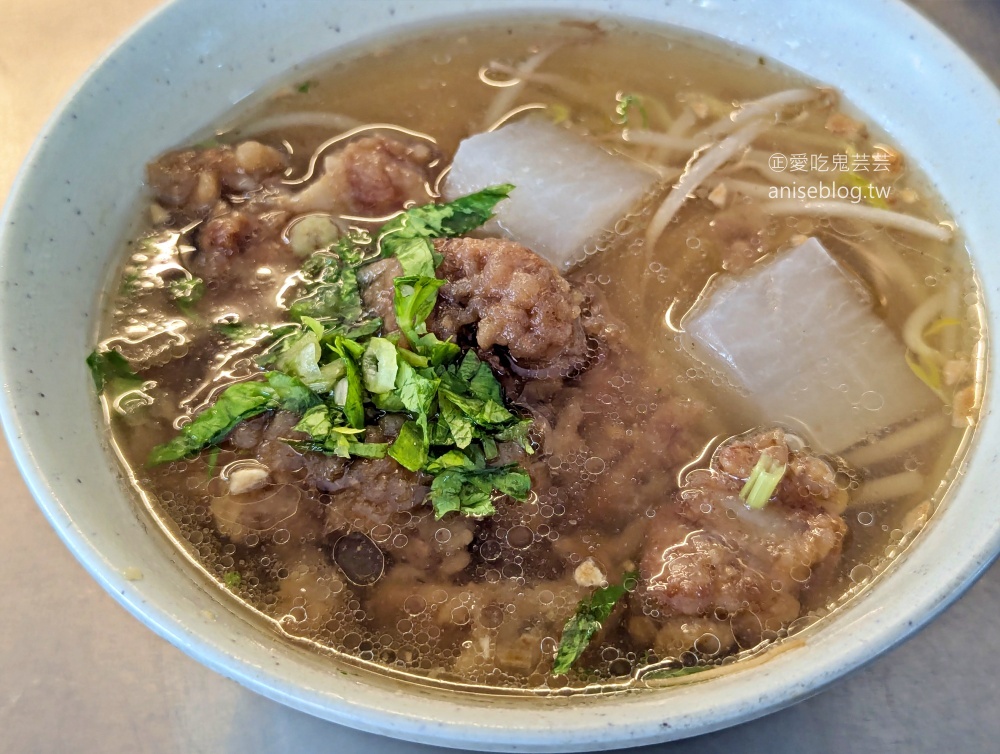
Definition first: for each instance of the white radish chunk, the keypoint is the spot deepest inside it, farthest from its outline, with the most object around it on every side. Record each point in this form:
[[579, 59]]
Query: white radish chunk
[[799, 336], [567, 190]]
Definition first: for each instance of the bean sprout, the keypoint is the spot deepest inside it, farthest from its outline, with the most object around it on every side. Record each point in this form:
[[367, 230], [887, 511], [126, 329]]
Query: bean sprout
[[898, 442], [887, 488], [699, 168], [917, 322], [508, 95], [749, 112], [850, 211], [661, 140], [286, 121], [747, 188], [556, 82], [684, 123]]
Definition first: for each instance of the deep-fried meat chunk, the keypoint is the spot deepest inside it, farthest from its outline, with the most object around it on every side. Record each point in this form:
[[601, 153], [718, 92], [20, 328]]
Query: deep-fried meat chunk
[[377, 289], [708, 553], [514, 298], [372, 177], [510, 295], [220, 238], [692, 571], [193, 180], [369, 493], [231, 232], [808, 480]]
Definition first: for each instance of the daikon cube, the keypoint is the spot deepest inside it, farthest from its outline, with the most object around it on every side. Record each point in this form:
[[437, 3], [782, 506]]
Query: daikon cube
[[567, 189], [799, 336]]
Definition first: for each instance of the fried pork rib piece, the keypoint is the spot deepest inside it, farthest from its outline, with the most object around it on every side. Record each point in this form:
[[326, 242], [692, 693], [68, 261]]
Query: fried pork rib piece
[[194, 180], [502, 294], [237, 193], [372, 176], [516, 300], [712, 563]]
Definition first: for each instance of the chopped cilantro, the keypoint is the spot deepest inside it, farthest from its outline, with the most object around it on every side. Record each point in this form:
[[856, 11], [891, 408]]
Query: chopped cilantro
[[586, 622], [350, 397], [416, 389], [368, 449], [414, 297], [463, 483], [408, 236], [129, 284], [327, 437], [241, 332], [236, 403], [330, 284], [331, 366], [232, 579], [470, 491], [114, 377], [186, 292], [213, 461], [458, 424], [411, 446], [110, 369]]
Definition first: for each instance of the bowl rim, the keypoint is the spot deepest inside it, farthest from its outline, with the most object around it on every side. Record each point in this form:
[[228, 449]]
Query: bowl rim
[[533, 729]]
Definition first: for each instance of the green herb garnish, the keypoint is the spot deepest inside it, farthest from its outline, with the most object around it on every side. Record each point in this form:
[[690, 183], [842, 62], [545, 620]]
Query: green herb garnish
[[408, 236], [110, 369], [336, 372], [330, 437], [330, 290], [114, 377], [763, 481], [469, 488], [129, 284], [414, 297], [349, 392], [411, 448], [586, 622], [243, 400], [213, 461], [186, 292], [240, 332], [232, 579], [626, 105], [660, 675]]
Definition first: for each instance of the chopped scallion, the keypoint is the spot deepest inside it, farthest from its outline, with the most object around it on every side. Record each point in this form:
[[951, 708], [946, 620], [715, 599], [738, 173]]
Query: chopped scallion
[[763, 481]]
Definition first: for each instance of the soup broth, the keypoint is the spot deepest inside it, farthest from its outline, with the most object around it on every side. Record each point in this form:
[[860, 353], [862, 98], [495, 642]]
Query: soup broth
[[638, 449]]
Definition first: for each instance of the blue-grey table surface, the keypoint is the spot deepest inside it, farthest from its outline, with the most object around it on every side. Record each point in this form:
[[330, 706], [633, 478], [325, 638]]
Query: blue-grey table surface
[[77, 674]]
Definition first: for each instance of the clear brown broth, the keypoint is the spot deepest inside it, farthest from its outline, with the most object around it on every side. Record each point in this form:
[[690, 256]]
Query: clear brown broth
[[432, 84]]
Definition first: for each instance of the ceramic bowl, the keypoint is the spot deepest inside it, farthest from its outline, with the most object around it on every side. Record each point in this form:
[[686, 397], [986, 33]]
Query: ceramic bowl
[[186, 66]]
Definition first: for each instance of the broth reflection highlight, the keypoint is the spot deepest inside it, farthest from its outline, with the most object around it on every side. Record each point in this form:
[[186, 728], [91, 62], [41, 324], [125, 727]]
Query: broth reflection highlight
[[650, 419]]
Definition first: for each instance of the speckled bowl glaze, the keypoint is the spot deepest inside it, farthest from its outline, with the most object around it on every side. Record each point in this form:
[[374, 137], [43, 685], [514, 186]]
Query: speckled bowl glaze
[[186, 66]]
